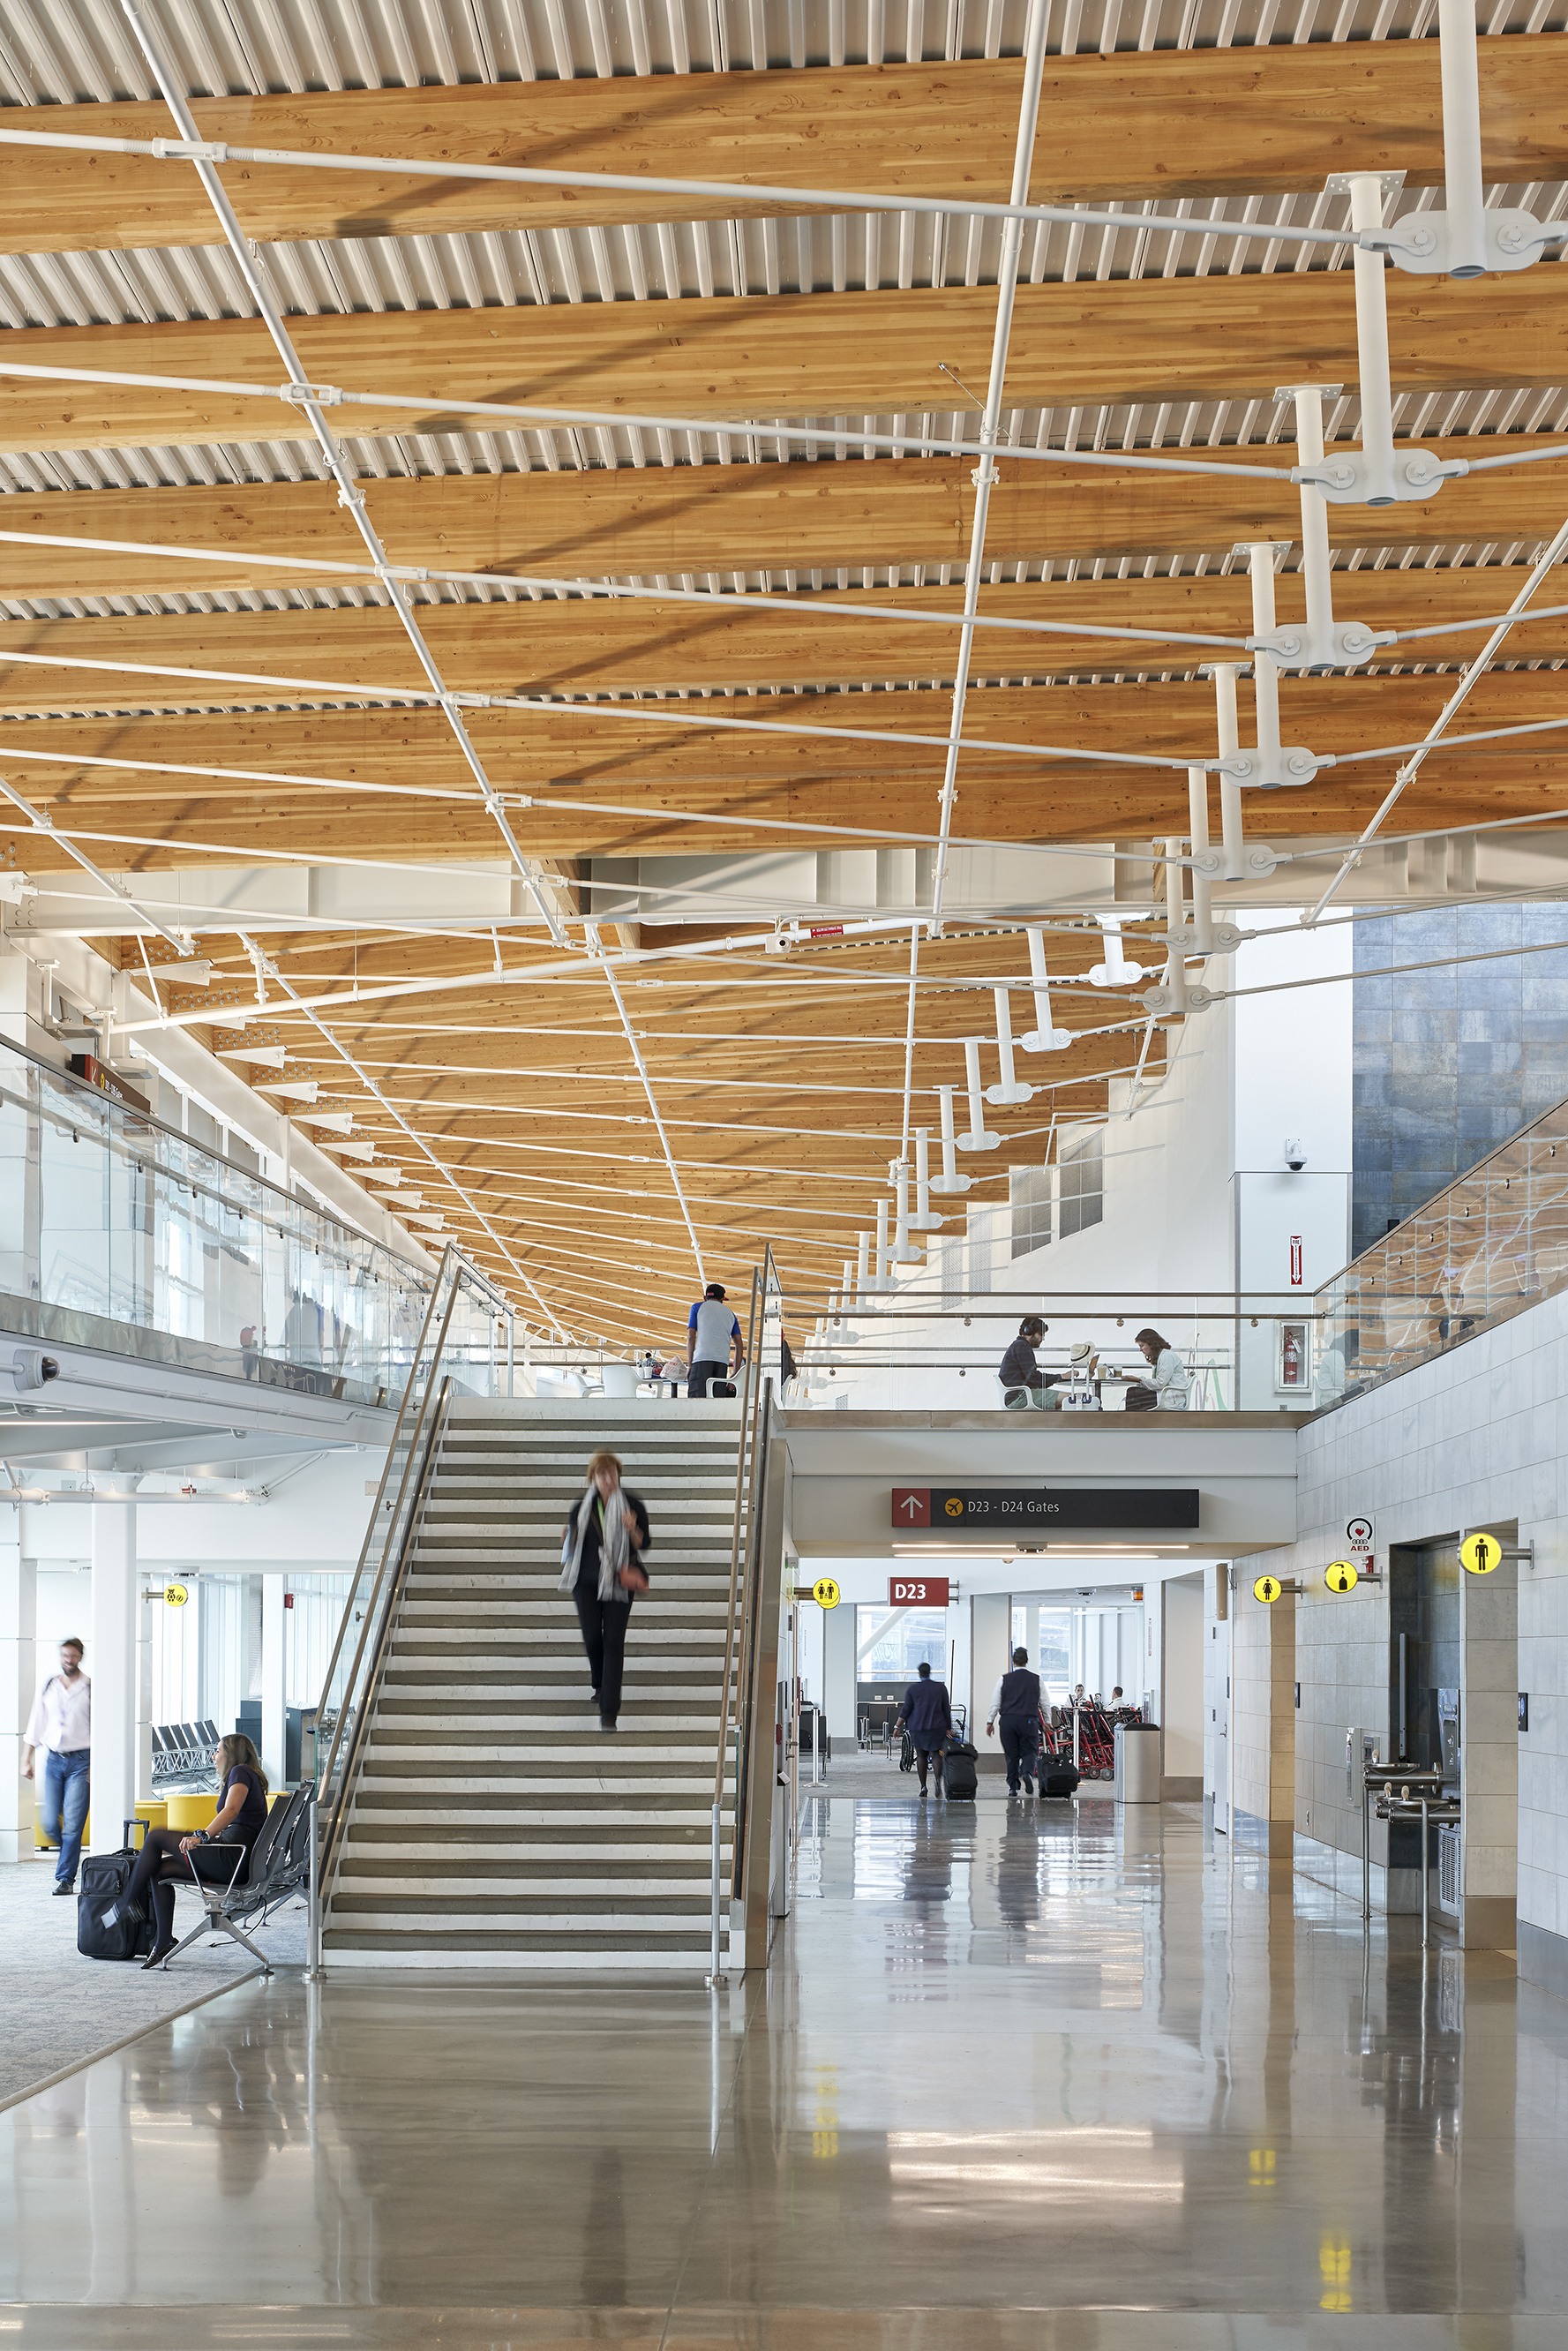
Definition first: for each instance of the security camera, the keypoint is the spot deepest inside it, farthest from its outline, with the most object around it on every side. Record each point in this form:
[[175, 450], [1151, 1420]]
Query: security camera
[[30, 1369], [1295, 1157]]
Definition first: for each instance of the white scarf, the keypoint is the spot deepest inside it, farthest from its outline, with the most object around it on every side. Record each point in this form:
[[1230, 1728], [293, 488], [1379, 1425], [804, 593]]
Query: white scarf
[[614, 1547]]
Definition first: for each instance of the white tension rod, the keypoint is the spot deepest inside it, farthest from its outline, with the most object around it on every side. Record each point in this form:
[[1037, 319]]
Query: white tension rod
[[1008, 1088], [1044, 1037], [977, 1139], [950, 1181], [925, 1219]]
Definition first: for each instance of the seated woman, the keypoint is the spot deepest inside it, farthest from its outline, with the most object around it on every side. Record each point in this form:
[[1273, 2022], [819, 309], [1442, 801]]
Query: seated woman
[[1167, 1391], [1023, 1382], [210, 1852]]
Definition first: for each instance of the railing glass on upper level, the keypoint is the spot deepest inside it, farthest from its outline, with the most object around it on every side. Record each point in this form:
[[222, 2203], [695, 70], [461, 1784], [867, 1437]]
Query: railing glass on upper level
[[454, 1353], [1492, 1242], [905, 1350], [114, 1224]]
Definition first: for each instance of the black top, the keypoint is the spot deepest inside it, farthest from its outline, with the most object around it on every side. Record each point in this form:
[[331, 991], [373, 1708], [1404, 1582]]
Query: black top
[[1020, 1369], [1021, 1693], [252, 1813], [588, 1565]]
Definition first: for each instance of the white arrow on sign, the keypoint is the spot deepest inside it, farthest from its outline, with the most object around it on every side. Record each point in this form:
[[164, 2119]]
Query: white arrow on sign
[[912, 1504]]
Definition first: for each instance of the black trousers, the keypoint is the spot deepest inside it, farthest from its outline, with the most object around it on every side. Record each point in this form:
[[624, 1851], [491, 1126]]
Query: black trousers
[[1019, 1736], [215, 1862], [924, 1758], [696, 1385], [604, 1624]]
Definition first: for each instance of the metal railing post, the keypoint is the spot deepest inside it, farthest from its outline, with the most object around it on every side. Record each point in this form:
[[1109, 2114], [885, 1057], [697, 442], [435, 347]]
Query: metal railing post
[[741, 1510], [313, 1932]]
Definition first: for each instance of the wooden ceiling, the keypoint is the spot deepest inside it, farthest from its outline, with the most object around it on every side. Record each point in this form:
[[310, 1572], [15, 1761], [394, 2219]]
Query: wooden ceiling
[[203, 671]]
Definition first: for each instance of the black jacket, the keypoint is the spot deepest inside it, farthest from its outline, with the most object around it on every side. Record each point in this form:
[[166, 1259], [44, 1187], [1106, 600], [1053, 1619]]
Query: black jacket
[[587, 1564]]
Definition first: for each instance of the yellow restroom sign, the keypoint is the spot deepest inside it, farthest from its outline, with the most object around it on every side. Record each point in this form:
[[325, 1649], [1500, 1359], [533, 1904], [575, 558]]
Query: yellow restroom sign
[[1267, 1588], [825, 1592], [1342, 1576], [1480, 1553], [175, 1595]]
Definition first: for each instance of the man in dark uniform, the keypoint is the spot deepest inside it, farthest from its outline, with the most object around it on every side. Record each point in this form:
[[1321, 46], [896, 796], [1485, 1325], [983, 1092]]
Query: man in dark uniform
[[927, 1717], [1015, 1704]]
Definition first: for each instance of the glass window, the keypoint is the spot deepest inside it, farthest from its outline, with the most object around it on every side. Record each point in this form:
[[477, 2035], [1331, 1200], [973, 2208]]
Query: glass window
[[1083, 1186], [1029, 1193]]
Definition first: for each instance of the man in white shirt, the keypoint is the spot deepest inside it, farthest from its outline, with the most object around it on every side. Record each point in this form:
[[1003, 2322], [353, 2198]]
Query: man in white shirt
[[61, 1724]]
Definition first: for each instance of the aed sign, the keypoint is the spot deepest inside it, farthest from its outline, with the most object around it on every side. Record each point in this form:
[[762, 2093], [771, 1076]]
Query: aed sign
[[1012, 1507], [917, 1591], [1358, 1540], [175, 1595]]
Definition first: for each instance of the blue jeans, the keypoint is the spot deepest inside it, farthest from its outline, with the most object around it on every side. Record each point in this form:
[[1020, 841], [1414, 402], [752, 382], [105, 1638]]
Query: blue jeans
[[66, 1778]]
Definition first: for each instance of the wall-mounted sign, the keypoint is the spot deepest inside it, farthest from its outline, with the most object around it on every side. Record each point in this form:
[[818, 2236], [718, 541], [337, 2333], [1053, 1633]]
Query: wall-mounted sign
[[1014, 1509], [825, 1592], [1267, 1588], [92, 1073], [1480, 1553], [917, 1591], [175, 1595], [1358, 1540], [1342, 1575], [1295, 1261]]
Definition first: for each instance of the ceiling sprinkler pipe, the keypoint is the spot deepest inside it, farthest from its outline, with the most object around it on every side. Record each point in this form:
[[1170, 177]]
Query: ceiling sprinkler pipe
[[1008, 1088], [1045, 1037], [1462, 140], [949, 1181], [977, 1139], [925, 1219]]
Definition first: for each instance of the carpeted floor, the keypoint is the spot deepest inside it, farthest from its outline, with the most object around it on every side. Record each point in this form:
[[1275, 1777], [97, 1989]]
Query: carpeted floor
[[59, 2008]]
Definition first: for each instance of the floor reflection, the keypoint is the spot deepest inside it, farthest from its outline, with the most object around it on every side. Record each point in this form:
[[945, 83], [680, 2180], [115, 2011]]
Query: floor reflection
[[1009, 2058]]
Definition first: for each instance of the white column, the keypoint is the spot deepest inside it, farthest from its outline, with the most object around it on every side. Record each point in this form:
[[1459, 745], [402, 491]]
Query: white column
[[273, 1679], [19, 1681], [112, 1664]]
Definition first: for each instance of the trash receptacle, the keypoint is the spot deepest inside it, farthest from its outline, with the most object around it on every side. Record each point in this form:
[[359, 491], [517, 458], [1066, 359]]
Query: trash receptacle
[[1138, 1763]]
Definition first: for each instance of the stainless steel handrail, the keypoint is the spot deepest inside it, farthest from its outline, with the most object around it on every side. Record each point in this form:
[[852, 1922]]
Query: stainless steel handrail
[[742, 1463], [331, 1838]]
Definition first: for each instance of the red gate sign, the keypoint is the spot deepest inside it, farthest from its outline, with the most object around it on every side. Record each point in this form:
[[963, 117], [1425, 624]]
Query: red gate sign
[[911, 1506], [917, 1591]]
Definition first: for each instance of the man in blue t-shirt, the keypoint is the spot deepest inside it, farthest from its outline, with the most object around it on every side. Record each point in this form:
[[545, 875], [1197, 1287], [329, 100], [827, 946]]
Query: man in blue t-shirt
[[713, 1341], [927, 1717]]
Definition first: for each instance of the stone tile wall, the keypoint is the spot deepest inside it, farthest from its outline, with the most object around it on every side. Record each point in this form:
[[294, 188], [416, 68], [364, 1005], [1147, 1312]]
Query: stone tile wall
[[1450, 1062]]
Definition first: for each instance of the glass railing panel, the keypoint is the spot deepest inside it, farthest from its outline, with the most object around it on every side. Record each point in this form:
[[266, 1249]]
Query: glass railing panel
[[111, 1222]]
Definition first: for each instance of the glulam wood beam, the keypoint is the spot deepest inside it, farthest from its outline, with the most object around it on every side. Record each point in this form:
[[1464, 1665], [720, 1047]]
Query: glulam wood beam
[[789, 355], [1132, 126]]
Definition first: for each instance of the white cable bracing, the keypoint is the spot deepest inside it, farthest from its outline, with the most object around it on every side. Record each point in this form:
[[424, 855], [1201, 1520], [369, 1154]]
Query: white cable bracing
[[46, 825], [350, 496], [1550, 557], [612, 590], [742, 192], [596, 949], [264, 964], [313, 397], [653, 713]]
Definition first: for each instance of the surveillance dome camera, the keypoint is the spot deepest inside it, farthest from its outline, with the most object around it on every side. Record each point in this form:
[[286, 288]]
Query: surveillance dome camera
[[1295, 1157], [30, 1369]]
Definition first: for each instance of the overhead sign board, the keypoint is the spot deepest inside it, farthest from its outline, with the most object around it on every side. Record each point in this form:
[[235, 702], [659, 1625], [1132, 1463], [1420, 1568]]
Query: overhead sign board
[[917, 1591], [1023, 1509]]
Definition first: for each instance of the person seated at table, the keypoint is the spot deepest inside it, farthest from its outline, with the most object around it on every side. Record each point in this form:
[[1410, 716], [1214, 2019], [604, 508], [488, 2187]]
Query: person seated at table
[[1023, 1382]]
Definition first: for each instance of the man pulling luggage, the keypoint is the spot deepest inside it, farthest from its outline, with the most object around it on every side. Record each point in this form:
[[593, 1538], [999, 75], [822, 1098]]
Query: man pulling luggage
[[1015, 1705], [927, 1717]]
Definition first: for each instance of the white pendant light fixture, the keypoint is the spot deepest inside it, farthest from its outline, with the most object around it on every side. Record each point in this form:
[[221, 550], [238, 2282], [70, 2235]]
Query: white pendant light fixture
[[1009, 1088], [978, 1138], [950, 1181], [1044, 1037]]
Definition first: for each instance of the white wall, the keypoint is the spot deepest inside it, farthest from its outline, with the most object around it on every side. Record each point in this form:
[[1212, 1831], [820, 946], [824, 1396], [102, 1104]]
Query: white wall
[[1181, 1710]]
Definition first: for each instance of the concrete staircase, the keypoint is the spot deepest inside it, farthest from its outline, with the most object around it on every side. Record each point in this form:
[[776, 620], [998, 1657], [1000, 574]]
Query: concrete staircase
[[493, 1823]]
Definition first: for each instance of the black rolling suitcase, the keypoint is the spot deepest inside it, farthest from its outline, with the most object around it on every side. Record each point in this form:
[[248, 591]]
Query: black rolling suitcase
[[958, 1773], [1058, 1778], [104, 1877]]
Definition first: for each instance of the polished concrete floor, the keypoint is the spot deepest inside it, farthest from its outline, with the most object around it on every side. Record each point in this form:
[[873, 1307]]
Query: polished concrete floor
[[1019, 2075]]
